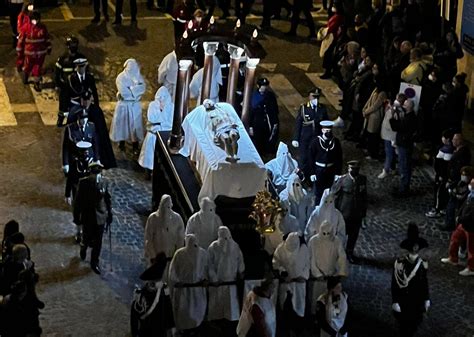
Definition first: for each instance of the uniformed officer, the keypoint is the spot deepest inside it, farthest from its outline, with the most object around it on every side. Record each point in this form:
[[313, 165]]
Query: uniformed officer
[[307, 127], [351, 200], [264, 122], [93, 211], [65, 67], [80, 82], [325, 158]]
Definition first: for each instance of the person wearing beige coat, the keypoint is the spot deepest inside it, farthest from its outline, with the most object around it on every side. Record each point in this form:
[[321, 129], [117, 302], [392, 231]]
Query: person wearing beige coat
[[373, 113]]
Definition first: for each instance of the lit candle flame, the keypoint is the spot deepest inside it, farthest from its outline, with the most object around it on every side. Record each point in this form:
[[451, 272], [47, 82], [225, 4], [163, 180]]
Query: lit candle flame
[[237, 24], [212, 20], [185, 34], [190, 24], [255, 34]]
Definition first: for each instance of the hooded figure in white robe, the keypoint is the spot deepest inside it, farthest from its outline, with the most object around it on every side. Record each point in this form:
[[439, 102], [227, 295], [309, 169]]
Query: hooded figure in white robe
[[188, 273], [291, 259], [328, 258], [168, 73], [196, 83], [326, 211], [160, 118], [281, 167], [285, 223], [205, 223], [226, 265], [127, 123], [164, 231], [297, 201]]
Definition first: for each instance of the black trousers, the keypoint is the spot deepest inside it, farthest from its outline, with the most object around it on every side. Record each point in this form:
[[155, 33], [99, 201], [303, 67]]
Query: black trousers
[[13, 11], [373, 144], [224, 5], [92, 237], [119, 8], [295, 19], [97, 4], [352, 230], [242, 9], [441, 195], [269, 9], [324, 179]]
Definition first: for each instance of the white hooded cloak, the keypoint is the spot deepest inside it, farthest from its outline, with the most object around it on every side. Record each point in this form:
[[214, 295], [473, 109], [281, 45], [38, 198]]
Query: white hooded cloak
[[164, 230], [158, 120], [282, 166], [293, 258], [283, 226], [189, 267], [328, 258], [326, 211], [168, 73], [335, 316], [127, 123], [226, 263], [205, 223], [196, 83], [297, 201]]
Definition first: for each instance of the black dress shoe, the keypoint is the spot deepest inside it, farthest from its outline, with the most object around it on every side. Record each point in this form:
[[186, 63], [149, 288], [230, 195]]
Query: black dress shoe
[[95, 268], [83, 252]]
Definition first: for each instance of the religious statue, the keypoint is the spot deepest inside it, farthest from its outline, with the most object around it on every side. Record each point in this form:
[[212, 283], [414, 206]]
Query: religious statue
[[224, 128]]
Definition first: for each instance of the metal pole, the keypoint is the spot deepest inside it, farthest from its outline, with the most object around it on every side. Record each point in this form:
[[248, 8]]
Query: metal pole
[[210, 49], [235, 55], [251, 66], [176, 136]]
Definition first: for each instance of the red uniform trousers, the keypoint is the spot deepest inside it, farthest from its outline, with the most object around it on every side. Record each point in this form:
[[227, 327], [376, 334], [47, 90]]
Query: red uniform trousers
[[461, 237]]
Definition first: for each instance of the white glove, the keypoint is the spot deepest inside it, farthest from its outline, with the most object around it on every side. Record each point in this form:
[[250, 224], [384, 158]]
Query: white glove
[[251, 131], [68, 201], [66, 169], [295, 144], [313, 178], [396, 307], [427, 305]]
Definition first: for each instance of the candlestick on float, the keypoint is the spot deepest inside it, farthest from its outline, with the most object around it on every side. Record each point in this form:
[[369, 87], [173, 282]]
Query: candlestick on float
[[211, 27], [190, 25], [237, 28], [253, 39]]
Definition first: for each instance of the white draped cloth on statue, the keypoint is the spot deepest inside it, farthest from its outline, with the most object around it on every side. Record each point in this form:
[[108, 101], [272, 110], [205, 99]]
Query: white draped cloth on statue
[[218, 176]]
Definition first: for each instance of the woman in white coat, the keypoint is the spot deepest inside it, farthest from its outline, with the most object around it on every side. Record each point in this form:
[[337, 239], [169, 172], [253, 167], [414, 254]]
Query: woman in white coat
[[160, 118], [127, 123]]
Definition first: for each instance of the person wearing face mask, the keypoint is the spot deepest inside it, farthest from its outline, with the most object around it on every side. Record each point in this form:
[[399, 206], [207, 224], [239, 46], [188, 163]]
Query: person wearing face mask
[[34, 44], [205, 223], [307, 127], [463, 235], [151, 312], [92, 210], [291, 261], [326, 211], [188, 276], [326, 160], [281, 167], [457, 195], [160, 118], [410, 292], [298, 202], [263, 120], [164, 231], [351, 200], [333, 311], [226, 268], [127, 123], [327, 259], [22, 23]]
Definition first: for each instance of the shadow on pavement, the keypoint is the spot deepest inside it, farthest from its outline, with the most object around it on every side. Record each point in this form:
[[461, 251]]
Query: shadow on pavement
[[74, 269], [131, 34], [95, 33]]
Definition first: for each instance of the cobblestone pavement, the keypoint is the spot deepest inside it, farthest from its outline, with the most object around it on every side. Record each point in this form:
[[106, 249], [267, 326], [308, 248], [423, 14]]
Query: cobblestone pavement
[[79, 303]]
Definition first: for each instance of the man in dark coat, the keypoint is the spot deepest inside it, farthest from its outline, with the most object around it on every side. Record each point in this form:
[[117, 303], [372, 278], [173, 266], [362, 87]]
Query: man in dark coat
[[410, 292], [64, 68], [264, 118], [325, 160], [93, 211], [307, 127], [351, 200], [151, 313], [80, 82]]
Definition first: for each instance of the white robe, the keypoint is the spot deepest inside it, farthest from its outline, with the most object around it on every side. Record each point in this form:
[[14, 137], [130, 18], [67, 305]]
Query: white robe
[[155, 115], [168, 73], [297, 200], [335, 317], [326, 211], [196, 83], [266, 306], [127, 123], [327, 258], [189, 266], [226, 262], [205, 223], [281, 167], [293, 258], [287, 225]]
